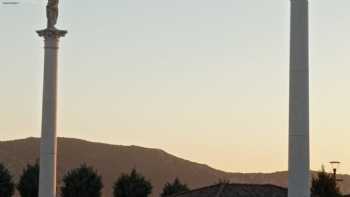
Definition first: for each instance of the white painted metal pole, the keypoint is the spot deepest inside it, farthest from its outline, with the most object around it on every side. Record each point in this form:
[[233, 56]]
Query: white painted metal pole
[[48, 146], [299, 156]]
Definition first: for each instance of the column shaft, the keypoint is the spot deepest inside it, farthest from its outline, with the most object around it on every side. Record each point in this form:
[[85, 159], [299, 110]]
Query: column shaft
[[48, 146], [299, 167]]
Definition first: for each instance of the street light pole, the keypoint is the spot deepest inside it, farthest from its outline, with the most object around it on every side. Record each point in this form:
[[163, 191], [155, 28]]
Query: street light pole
[[335, 165]]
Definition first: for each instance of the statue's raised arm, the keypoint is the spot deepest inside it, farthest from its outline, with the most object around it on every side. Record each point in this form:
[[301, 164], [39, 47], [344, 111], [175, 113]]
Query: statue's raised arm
[[52, 13]]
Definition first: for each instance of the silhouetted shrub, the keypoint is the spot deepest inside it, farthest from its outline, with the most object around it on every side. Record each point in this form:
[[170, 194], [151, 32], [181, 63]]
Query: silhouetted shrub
[[325, 185], [7, 187], [132, 185], [174, 188], [28, 185], [82, 182]]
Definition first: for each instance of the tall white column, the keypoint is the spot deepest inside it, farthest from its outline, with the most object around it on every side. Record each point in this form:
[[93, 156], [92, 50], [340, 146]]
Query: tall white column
[[48, 146], [299, 156]]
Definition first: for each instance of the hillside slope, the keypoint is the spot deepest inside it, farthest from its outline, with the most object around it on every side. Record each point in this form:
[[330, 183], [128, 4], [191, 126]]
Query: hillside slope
[[112, 160]]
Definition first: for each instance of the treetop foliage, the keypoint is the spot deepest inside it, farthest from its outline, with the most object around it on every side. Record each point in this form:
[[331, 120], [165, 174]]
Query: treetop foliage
[[7, 187], [132, 185], [325, 185], [174, 188], [83, 181], [28, 185]]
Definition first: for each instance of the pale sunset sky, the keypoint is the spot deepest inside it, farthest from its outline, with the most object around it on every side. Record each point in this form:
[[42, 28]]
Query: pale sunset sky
[[205, 80]]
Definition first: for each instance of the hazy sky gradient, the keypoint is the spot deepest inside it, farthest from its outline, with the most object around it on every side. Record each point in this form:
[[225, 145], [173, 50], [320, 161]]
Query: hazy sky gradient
[[206, 80]]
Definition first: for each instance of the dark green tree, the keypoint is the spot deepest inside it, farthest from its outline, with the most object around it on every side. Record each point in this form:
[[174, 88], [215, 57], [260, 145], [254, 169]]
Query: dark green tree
[[325, 185], [174, 188], [7, 187], [132, 185], [82, 182], [28, 185]]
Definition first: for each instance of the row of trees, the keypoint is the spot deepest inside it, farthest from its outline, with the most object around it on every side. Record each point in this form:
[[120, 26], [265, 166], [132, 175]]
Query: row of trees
[[83, 181]]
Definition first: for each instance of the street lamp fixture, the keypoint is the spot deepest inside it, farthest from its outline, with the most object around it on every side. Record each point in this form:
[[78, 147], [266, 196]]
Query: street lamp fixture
[[335, 166]]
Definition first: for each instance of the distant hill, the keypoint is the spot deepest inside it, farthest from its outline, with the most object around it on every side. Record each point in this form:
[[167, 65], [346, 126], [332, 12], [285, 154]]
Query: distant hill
[[112, 160]]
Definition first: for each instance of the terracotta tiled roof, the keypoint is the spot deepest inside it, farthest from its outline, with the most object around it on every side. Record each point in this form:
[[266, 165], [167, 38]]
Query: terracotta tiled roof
[[236, 190]]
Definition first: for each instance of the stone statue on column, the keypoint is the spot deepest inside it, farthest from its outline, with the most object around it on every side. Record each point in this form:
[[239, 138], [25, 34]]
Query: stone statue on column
[[52, 13]]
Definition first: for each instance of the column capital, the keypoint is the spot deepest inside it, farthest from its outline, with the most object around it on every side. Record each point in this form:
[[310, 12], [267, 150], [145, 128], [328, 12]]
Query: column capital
[[51, 33]]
